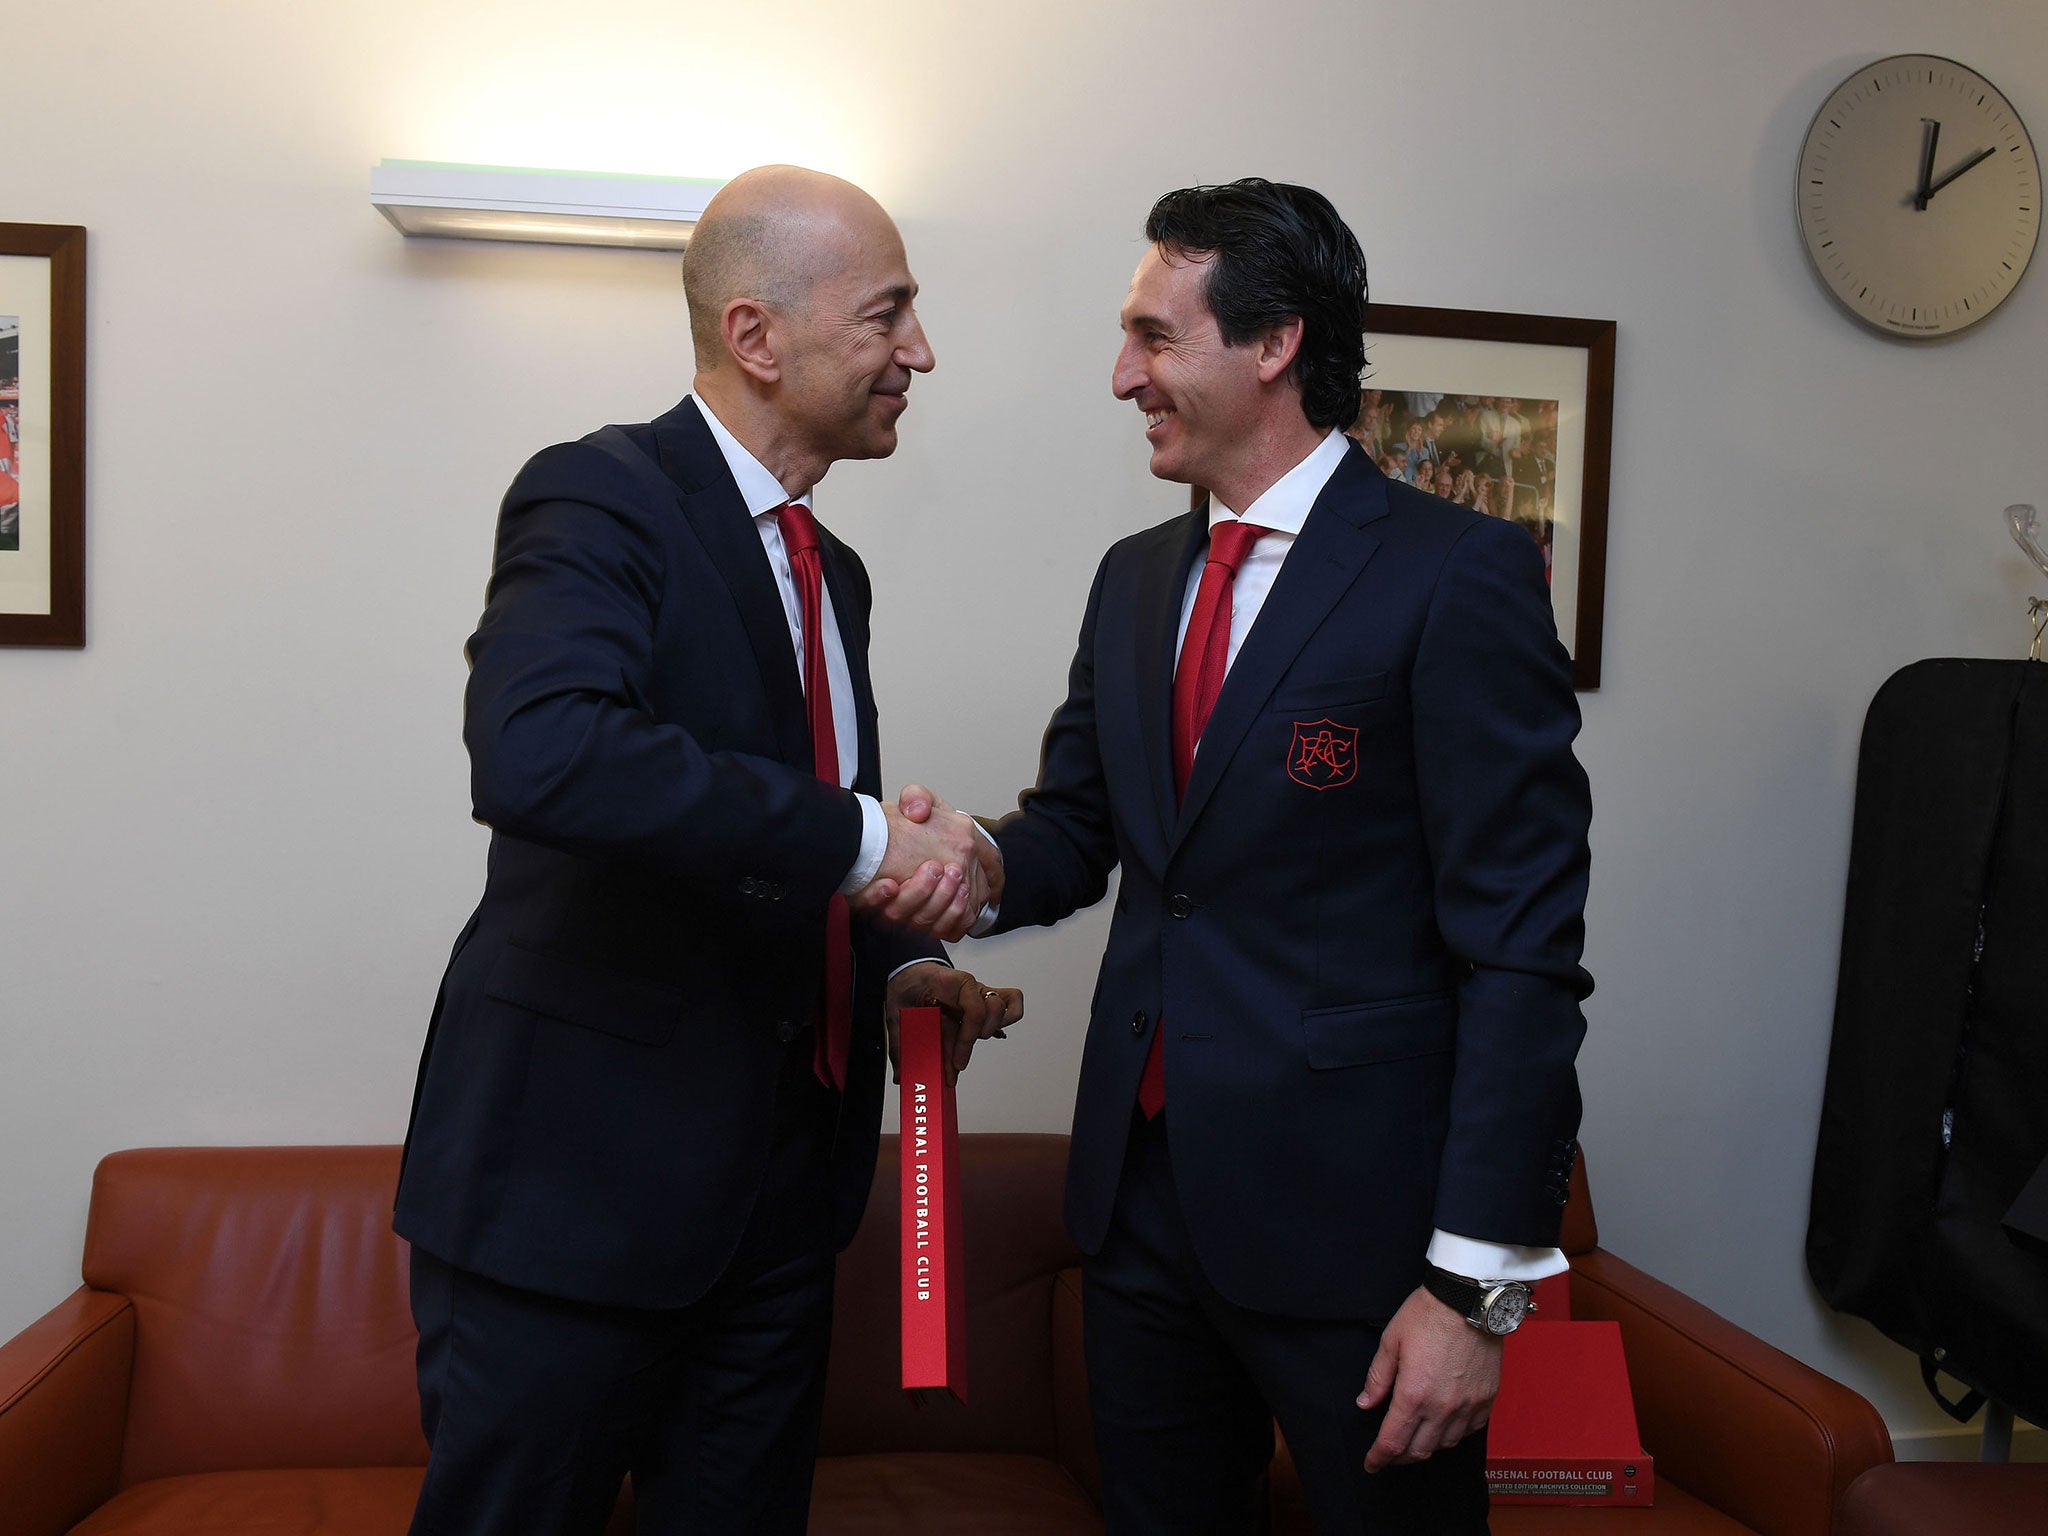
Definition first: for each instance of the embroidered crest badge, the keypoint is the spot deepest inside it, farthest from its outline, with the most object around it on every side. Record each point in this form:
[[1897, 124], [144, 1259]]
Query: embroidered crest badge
[[1324, 754]]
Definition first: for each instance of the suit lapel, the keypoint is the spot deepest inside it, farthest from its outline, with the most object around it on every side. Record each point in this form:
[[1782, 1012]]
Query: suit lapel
[[850, 613], [1162, 590], [711, 502], [1332, 549]]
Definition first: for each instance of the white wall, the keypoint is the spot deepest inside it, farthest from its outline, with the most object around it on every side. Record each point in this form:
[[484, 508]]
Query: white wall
[[234, 843]]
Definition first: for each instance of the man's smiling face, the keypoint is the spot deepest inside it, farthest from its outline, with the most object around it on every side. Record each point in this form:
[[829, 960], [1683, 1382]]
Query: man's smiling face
[[1199, 396], [856, 341]]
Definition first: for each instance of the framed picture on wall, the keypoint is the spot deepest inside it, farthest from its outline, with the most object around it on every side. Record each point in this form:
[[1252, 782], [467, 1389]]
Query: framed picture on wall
[[1512, 415], [42, 434]]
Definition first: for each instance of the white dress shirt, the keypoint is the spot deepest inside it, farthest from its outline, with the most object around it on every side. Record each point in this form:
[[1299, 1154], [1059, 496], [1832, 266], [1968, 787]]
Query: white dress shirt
[[763, 494]]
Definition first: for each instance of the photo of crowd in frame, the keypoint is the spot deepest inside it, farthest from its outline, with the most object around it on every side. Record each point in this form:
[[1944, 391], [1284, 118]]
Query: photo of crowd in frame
[[1511, 416], [1493, 453], [42, 435], [10, 433]]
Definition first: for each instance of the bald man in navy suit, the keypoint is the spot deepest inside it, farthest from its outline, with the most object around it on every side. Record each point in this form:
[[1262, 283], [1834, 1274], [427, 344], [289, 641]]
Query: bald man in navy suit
[[649, 1101]]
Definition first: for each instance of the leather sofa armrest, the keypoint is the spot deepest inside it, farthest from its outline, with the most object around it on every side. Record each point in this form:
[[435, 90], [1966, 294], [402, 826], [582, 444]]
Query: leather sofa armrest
[[1766, 1440], [64, 1411], [1073, 1424]]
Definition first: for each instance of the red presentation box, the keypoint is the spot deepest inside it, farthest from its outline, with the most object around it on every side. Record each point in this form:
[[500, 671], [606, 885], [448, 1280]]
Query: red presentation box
[[934, 1286], [1553, 1298], [1564, 1426]]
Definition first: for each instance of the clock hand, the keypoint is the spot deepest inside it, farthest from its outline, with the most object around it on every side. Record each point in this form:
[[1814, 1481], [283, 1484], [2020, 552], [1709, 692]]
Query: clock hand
[[1977, 159], [1928, 140]]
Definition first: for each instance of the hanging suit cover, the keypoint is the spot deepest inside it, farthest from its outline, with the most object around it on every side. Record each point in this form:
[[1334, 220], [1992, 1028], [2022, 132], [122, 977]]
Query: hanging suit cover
[[1936, 1113]]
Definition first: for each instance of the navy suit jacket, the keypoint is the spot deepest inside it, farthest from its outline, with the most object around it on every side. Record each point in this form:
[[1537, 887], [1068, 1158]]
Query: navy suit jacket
[[598, 1085], [1361, 931]]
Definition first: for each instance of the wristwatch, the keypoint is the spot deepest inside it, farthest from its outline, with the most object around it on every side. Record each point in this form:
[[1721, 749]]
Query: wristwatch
[[1492, 1306]]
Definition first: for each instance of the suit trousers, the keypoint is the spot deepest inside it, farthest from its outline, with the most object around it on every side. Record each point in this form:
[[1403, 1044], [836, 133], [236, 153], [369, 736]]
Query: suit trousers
[[1185, 1388], [536, 1407]]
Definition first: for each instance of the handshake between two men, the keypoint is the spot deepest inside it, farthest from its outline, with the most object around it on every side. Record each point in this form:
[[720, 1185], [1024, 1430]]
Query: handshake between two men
[[939, 874]]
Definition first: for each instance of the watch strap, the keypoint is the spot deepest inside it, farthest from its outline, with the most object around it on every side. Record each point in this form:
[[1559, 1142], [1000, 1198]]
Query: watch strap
[[1461, 1295]]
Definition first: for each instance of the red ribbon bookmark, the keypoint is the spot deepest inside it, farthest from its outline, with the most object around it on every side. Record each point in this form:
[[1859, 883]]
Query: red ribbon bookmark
[[934, 1286]]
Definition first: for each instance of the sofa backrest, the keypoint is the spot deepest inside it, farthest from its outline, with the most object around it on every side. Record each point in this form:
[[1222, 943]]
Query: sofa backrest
[[1014, 1247], [1581, 1233], [272, 1327]]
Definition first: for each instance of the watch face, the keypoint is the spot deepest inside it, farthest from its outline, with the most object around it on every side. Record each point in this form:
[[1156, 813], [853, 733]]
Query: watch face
[[1509, 1305], [1919, 196]]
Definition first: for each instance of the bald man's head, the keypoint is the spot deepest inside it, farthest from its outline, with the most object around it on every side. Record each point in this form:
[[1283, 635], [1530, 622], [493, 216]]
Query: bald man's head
[[802, 309], [771, 234]]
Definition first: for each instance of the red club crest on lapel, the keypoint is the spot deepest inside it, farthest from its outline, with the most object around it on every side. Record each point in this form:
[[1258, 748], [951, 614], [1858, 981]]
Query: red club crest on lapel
[[1323, 754]]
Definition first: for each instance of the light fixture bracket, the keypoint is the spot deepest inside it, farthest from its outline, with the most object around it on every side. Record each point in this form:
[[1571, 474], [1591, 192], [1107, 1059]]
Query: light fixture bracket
[[490, 202]]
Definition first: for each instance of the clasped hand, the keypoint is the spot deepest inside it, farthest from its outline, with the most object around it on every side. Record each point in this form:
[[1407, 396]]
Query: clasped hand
[[969, 1011], [938, 871]]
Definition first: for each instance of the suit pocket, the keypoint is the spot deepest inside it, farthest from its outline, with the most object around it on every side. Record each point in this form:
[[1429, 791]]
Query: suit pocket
[[1338, 693], [1358, 1034], [625, 1007]]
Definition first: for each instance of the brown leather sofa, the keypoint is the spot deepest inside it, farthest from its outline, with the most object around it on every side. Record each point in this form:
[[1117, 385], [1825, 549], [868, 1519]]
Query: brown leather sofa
[[240, 1360], [1942, 1498]]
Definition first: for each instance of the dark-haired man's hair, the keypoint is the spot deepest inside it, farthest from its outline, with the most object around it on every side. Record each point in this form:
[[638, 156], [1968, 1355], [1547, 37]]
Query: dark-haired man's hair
[[1280, 251]]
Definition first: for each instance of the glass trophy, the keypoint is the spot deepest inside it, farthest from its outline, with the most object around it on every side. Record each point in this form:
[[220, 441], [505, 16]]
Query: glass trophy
[[2025, 524]]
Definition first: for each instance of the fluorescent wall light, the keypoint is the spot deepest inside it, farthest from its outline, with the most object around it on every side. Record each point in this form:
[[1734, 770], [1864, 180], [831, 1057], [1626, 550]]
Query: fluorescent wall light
[[489, 202]]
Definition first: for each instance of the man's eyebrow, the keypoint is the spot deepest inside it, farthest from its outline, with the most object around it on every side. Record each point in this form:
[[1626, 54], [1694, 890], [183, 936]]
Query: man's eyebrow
[[902, 293], [1142, 322]]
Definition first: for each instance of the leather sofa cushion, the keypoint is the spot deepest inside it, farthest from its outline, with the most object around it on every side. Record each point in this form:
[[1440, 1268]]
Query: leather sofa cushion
[[946, 1493], [1935, 1498], [1677, 1513], [908, 1494], [315, 1501]]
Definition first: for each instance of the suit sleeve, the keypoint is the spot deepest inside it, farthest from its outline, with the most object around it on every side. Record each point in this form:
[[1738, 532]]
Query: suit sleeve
[[1059, 845], [564, 749], [1506, 810], [883, 948], [886, 950]]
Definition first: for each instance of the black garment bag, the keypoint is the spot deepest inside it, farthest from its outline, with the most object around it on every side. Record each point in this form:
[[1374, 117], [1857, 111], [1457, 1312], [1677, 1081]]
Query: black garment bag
[[1936, 1115]]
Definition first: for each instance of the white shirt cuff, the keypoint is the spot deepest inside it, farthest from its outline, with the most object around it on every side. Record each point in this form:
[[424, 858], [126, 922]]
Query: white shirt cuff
[[874, 844], [1475, 1260], [990, 910]]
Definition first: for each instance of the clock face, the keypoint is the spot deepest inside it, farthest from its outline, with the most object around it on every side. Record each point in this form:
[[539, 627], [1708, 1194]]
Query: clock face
[[1919, 196]]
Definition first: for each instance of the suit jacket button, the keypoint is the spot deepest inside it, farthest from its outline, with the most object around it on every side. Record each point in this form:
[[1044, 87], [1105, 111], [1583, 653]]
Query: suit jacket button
[[750, 886], [1138, 1022], [1180, 906], [786, 1031]]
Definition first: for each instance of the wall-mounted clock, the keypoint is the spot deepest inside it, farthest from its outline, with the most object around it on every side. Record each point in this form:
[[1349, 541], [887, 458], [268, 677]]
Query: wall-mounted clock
[[1919, 196]]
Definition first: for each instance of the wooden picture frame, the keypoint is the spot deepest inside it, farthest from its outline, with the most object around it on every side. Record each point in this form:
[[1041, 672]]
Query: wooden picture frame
[[42, 434], [1545, 360]]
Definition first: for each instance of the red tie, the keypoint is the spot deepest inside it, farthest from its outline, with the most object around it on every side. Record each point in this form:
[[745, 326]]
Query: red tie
[[835, 1031], [1204, 658]]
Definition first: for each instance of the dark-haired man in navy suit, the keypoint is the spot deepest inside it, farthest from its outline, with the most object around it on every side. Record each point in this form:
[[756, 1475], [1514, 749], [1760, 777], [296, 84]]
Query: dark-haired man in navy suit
[[648, 1106], [1327, 1104]]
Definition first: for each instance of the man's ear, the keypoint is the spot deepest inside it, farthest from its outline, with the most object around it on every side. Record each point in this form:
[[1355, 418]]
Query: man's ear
[[1278, 347], [748, 331]]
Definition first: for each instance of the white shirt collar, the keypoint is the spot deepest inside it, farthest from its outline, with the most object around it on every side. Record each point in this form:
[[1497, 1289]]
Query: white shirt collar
[[1285, 505], [759, 488]]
